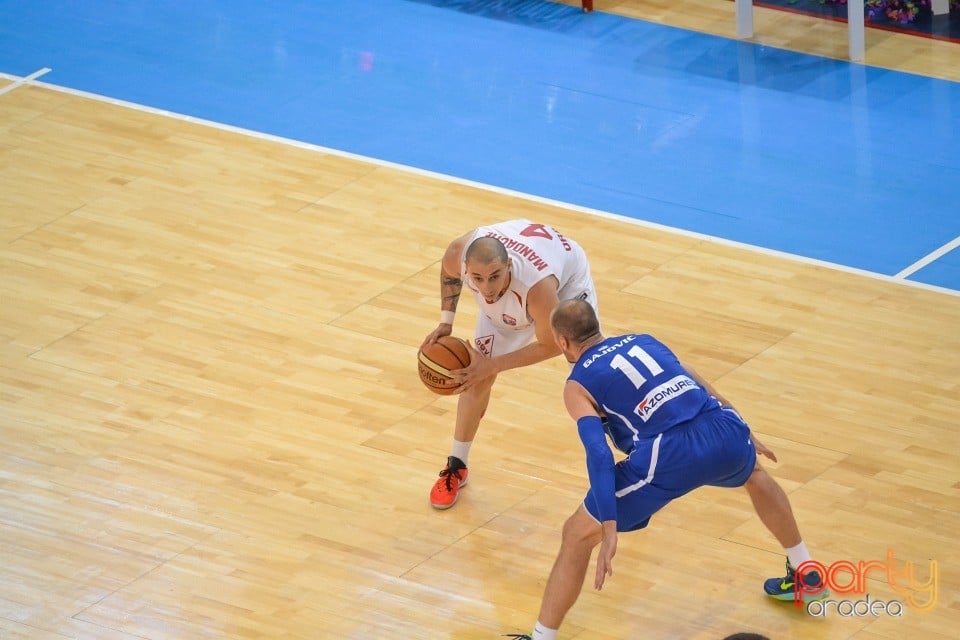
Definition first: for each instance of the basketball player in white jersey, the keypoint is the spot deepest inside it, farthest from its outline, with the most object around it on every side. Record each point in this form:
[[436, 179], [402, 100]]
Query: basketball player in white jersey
[[517, 271]]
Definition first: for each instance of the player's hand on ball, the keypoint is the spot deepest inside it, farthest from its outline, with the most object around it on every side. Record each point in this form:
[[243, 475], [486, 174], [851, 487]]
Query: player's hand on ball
[[441, 330], [479, 369]]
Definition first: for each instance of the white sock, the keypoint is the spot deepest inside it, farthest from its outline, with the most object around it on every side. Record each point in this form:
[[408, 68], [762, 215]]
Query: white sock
[[461, 450], [541, 632], [798, 554]]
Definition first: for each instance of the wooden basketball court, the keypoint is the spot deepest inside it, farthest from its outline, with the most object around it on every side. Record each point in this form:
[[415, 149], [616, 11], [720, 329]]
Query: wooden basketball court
[[796, 32], [211, 423]]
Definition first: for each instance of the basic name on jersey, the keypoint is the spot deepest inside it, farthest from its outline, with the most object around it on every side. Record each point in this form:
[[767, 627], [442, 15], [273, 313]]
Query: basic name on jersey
[[515, 245], [607, 349]]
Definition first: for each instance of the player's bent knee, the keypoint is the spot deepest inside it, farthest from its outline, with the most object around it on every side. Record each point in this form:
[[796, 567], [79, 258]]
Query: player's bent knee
[[761, 483], [479, 390], [758, 475], [581, 528], [482, 386]]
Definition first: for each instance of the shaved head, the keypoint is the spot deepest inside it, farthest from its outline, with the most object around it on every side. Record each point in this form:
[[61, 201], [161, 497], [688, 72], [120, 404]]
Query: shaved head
[[575, 320], [486, 251]]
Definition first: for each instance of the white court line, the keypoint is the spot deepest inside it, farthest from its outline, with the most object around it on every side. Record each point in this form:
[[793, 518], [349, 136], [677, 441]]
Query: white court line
[[19, 82], [930, 257], [500, 190]]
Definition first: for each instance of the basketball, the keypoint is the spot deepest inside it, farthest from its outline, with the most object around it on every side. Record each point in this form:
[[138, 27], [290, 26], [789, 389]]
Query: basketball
[[437, 360]]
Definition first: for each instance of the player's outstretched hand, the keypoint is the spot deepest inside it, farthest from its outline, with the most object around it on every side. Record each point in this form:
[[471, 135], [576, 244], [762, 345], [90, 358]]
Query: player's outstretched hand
[[441, 330], [479, 369], [608, 548], [762, 448]]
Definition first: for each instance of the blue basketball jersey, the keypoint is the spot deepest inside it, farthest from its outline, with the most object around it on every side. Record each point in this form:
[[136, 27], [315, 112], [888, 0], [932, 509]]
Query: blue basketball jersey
[[641, 387]]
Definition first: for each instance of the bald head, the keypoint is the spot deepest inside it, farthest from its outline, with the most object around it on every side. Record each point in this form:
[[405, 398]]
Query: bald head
[[576, 321], [486, 251]]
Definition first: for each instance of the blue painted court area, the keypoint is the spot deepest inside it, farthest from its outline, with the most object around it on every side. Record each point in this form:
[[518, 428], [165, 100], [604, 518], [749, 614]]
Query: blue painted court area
[[850, 164]]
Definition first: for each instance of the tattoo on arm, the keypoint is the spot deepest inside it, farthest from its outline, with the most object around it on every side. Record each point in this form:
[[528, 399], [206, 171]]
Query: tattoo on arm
[[450, 287]]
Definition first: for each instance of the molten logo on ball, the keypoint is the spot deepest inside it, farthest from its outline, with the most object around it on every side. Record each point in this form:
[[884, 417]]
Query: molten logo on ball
[[433, 379]]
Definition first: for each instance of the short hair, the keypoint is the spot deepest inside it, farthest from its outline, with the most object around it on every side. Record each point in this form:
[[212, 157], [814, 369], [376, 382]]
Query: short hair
[[575, 320], [746, 636], [486, 251]]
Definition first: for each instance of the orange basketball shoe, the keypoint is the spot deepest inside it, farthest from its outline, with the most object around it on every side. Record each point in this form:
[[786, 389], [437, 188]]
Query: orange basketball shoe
[[446, 489]]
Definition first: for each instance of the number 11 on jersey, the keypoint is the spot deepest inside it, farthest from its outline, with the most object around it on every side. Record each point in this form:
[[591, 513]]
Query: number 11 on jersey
[[626, 367]]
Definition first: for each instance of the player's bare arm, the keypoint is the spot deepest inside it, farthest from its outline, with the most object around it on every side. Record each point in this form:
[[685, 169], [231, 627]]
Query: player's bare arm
[[761, 448], [450, 283], [583, 409], [706, 385], [450, 287], [578, 401]]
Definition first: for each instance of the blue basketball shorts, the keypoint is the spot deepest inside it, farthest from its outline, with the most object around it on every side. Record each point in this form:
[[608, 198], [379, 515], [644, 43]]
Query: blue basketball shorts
[[712, 449]]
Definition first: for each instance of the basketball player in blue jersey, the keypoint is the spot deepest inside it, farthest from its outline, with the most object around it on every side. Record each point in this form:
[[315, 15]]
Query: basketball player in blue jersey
[[678, 434]]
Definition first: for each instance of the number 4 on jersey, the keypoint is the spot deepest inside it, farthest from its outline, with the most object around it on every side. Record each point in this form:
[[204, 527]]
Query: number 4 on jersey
[[540, 231], [536, 231]]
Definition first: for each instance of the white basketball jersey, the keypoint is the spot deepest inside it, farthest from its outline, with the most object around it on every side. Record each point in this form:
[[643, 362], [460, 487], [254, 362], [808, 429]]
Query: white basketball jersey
[[536, 251]]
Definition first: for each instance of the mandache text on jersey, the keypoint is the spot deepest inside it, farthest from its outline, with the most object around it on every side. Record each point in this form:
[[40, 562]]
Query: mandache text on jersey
[[521, 249]]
